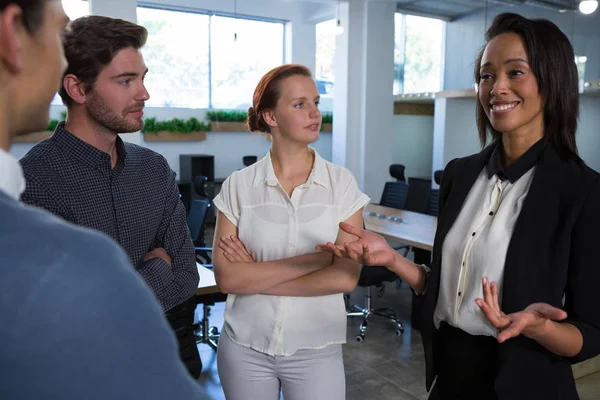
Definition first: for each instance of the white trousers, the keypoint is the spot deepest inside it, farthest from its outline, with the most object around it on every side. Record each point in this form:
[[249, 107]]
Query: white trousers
[[308, 374]]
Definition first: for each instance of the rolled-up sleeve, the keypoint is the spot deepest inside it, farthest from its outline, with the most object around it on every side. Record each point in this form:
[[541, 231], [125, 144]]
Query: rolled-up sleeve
[[227, 200], [352, 198]]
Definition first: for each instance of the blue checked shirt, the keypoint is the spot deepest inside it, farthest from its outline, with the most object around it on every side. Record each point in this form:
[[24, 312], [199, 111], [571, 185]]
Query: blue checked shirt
[[136, 203]]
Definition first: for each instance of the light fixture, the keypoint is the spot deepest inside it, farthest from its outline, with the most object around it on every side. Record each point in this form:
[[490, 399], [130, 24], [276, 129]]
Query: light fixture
[[339, 29], [588, 6], [582, 59]]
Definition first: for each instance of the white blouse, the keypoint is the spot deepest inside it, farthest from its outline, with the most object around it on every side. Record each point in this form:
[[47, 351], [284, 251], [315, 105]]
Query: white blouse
[[274, 226], [475, 247]]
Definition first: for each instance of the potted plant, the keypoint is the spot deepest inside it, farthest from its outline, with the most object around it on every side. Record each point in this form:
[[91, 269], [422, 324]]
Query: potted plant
[[227, 120], [174, 130], [327, 124]]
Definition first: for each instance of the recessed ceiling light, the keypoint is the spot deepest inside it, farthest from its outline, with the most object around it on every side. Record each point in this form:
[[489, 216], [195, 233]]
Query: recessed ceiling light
[[588, 6]]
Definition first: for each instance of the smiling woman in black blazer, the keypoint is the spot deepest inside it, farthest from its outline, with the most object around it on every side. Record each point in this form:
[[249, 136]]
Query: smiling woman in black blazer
[[511, 298]]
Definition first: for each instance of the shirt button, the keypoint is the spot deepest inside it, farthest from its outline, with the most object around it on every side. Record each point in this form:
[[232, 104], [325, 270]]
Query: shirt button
[[463, 264], [491, 213], [473, 233], [292, 245], [459, 293]]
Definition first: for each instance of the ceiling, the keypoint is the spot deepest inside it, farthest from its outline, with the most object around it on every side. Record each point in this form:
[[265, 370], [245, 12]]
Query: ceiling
[[453, 9]]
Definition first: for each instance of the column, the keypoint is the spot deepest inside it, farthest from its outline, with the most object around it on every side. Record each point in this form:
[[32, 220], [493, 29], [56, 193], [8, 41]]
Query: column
[[363, 101]]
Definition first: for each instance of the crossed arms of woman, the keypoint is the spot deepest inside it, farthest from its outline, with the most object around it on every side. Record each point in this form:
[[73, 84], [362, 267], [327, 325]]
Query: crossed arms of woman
[[315, 274]]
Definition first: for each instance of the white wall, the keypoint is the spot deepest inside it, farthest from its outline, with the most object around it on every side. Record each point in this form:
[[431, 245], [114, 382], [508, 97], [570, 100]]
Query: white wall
[[413, 144], [461, 138], [363, 102], [464, 39], [588, 134]]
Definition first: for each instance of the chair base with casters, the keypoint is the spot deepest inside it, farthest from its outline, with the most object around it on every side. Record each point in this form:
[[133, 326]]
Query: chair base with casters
[[369, 277], [203, 331]]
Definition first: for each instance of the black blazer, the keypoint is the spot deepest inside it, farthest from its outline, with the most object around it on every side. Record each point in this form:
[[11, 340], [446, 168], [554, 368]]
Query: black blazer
[[554, 252]]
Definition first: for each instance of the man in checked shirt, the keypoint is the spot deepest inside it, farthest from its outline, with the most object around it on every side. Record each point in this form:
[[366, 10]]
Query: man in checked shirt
[[86, 174]]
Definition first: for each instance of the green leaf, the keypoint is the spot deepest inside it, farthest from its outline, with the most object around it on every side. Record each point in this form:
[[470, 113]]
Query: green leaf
[[52, 125], [151, 125]]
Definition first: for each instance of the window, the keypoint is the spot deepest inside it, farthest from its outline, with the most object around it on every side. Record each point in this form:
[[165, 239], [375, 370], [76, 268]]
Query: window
[[242, 51], [74, 9], [223, 66], [417, 54], [177, 71], [325, 62]]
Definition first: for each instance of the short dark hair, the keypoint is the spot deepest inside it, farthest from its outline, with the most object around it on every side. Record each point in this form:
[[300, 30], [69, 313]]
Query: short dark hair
[[552, 61], [92, 42], [33, 12], [267, 94]]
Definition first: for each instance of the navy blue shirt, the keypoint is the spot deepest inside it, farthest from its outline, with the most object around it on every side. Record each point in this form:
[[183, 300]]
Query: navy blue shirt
[[136, 203]]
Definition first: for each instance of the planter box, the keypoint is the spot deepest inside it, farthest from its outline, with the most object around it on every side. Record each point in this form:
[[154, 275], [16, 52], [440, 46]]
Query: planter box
[[326, 127], [228, 126], [165, 136], [34, 137]]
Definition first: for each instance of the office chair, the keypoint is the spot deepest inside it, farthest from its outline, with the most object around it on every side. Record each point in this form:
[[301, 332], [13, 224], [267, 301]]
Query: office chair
[[197, 219], [433, 202], [181, 319], [394, 194], [369, 277], [437, 176], [375, 276], [417, 198], [397, 172], [249, 160], [203, 332]]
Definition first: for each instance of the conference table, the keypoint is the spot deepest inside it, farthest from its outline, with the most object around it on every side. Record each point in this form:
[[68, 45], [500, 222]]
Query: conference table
[[207, 284], [414, 229]]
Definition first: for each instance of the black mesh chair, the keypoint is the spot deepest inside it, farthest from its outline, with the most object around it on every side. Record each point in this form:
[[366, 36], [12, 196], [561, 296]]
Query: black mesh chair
[[394, 195], [437, 176], [196, 220], [375, 276], [397, 172], [204, 333], [433, 202], [181, 319], [417, 199]]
